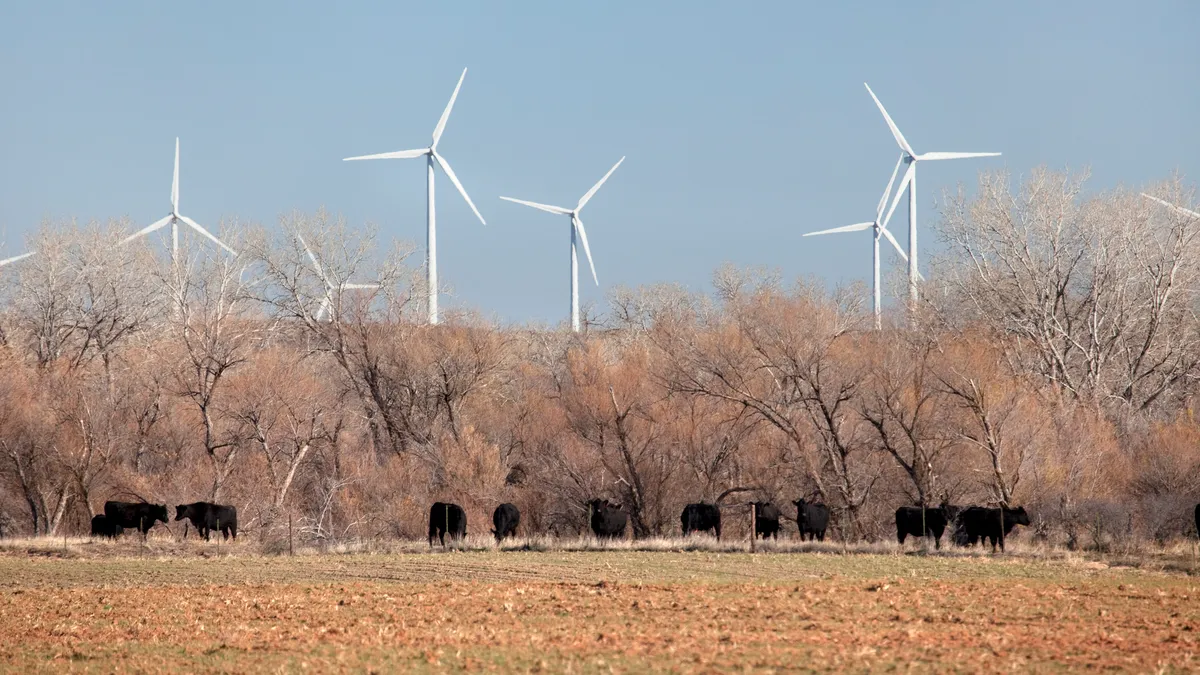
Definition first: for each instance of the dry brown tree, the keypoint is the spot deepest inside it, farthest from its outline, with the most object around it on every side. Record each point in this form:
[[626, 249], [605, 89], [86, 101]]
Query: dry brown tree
[[788, 360]]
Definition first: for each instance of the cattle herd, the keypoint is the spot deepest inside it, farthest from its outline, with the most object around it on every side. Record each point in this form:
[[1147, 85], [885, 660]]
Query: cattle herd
[[608, 520], [205, 516]]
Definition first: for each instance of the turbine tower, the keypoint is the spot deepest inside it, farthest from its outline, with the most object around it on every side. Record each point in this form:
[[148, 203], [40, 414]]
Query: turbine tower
[[174, 218], [911, 157], [577, 231], [431, 156], [880, 226], [327, 302]]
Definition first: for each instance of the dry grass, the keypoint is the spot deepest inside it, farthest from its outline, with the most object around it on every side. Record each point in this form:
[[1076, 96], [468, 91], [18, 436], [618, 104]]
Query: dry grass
[[170, 606]]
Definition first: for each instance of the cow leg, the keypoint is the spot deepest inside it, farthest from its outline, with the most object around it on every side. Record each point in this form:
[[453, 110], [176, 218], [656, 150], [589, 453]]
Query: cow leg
[[937, 543]]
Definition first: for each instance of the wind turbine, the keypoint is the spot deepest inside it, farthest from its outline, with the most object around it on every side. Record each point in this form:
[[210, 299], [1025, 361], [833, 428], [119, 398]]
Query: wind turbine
[[327, 303], [431, 155], [880, 226], [911, 157], [576, 231], [174, 218]]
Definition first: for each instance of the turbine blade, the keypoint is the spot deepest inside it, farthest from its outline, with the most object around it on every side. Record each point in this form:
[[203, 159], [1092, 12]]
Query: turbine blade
[[891, 125], [857, 227], [955, 155], [899, 249], [16, 258], [441, 125], [158, 224], [583, 200], [578, 225], [399, 154], [544, 207], [888, 191], [323, 310], [196, 226], [313, 258], [175, 181], [1169, 205], [454, 179], [908, 173], [903, 255]]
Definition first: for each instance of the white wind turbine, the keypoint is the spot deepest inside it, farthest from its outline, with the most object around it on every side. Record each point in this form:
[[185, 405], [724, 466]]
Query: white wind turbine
[[911, 157], [431, 155], [576, 230], [330, 288], [174, 218], [880, 226]]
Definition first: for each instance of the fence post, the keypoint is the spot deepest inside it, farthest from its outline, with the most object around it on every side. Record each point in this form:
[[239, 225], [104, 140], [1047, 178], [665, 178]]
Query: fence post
[[753, 527], [1001, 526]]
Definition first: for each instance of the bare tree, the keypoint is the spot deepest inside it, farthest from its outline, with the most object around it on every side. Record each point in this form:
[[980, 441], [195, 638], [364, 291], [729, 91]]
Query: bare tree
[[1095, 295], [84, 293], [217, 335]]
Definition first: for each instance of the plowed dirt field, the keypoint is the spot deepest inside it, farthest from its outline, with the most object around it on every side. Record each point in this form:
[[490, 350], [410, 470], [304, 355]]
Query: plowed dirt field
[[600, 611]]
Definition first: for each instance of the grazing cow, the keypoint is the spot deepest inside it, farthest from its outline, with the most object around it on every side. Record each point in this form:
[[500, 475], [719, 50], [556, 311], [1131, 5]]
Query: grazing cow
[[206, 517], [446, 519], [766, 520], [917, 522], [505, 519], [812, 520], [135, 515], [103, 527], [608, 519], [701, 518], [978, 523]]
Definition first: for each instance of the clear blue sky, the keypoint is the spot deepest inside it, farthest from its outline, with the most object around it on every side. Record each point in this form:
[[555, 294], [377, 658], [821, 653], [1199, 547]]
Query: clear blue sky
[[745, 124]]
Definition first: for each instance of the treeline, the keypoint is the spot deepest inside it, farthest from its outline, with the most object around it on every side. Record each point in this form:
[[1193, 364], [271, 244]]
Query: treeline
[[1052, 363]]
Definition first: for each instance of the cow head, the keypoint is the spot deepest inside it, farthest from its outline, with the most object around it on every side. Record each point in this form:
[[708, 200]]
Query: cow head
[[159, 512], [181, 511], [1017, 516]]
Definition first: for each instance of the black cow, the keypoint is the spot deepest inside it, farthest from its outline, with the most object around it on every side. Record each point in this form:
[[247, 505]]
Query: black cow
[[766, 520], [701, 517], [812, 520], [446, 519], [505, 519], [608, 519], [978, 523], [206, 517], [917, 522], [103, 527], [135, 515]]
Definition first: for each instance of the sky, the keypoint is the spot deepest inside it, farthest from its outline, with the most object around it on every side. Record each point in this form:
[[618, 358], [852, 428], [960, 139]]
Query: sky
[[744, 124]]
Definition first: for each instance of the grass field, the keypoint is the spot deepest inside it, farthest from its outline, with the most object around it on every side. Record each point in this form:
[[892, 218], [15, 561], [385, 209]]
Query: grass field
[[167, 607]]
